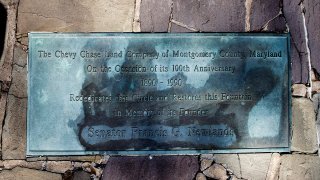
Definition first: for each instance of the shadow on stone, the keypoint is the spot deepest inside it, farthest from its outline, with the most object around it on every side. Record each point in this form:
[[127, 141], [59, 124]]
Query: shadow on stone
[[3, 24], [158, 167]]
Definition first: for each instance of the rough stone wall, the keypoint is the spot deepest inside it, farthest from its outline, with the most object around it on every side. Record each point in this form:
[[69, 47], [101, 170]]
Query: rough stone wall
[[300, 18]]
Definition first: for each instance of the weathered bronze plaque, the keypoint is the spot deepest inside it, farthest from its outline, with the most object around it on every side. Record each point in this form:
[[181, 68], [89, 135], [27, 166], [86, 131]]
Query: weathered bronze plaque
[[126, 93]]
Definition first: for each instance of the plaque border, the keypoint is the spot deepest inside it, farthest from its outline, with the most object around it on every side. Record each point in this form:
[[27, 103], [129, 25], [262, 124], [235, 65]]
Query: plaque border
[[34, 153]]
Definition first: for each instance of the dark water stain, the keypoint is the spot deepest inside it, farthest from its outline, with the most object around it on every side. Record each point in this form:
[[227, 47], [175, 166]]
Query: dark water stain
[[258, 81]]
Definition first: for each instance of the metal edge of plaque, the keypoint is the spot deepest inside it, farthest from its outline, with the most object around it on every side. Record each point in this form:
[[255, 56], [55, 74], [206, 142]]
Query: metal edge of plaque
[[33, 153]]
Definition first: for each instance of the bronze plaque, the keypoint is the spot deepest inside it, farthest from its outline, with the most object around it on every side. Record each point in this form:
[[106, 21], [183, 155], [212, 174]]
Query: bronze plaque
[[127, 93]]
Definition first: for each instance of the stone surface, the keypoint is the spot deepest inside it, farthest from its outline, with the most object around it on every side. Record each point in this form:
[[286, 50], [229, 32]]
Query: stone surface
[[316, 86], [205, 164], [299, 167], [28, 174], [316, 105], [3, 103], [157, 167], [10, 164], [299, 65], [176, 28], [254, 166], [136, 26], [314, 76], [230, 161], [206, 161], [4, 2], [3, 22], [58, 166], [216, 171], [7, 56], [92, 169], [18, 86], [114, 15], [201, 176], [7, 2], [292, 13], [304, 137], [265, 16], [299, 90], [5, 86], [233, 177], [14, 129], [312, 13], [218, 16], [67, 16], [20, 55], [155, 15], [274, 167], [81, 175], [99, 159]]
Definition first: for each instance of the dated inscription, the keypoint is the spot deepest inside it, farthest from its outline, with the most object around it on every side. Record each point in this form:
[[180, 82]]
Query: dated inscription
[[150, 92]]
